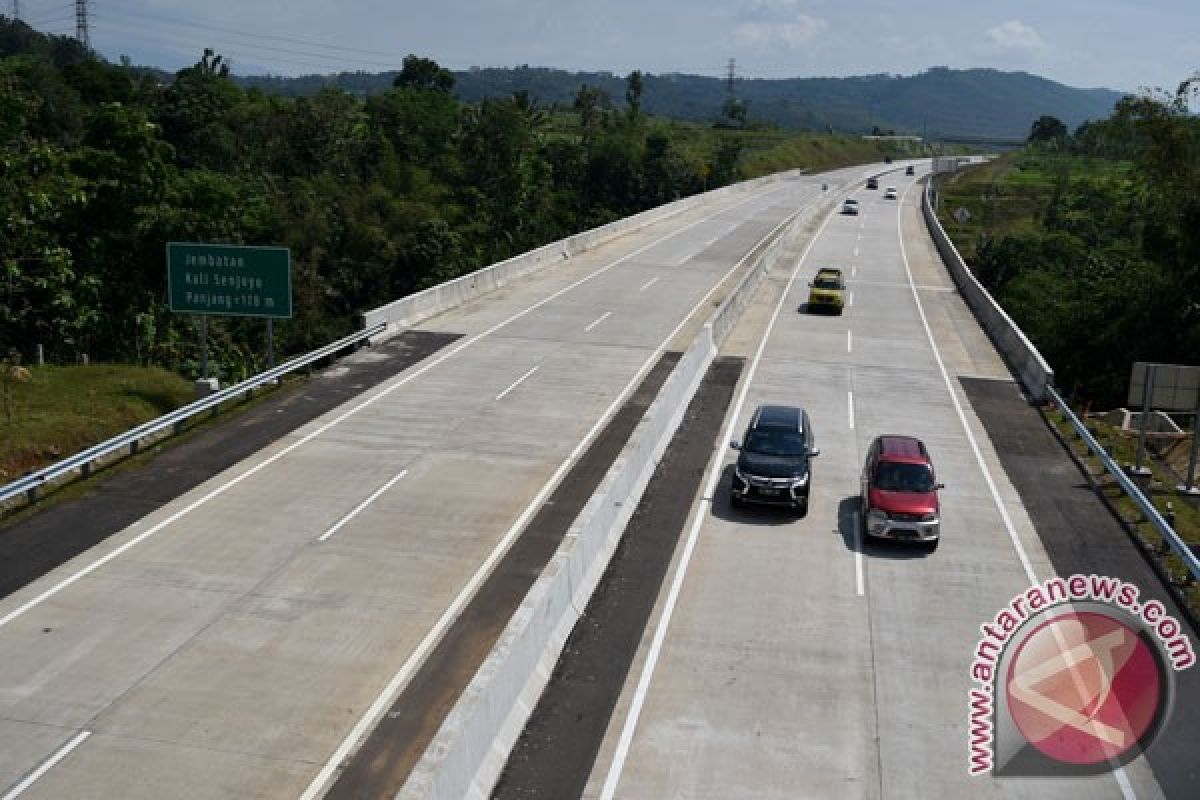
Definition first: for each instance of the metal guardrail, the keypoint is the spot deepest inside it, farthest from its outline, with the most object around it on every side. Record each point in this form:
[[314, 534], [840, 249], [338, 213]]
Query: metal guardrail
[[83, 461], [1177, 545]]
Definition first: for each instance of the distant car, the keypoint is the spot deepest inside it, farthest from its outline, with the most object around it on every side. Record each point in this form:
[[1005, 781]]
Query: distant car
[[773, 460], [889, 193], [850, 206], [872, 183], [909, 170], [900, 491], [827, 291]]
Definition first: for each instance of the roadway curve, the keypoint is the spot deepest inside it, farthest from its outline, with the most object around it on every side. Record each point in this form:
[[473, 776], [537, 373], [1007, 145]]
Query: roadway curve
[[239, 641]]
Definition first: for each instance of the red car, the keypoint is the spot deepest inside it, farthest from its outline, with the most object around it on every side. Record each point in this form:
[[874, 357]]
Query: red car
[[900, 491]]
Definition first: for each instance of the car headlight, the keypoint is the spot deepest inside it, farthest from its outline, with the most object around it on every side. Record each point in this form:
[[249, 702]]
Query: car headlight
[[800, 480], [929, 517], [876, 517]]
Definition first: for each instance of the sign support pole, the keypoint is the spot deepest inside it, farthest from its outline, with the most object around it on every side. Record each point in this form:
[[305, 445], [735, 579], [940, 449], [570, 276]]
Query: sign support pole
[[204, 346], [270, 343], [1190, 486], [1147, 393]]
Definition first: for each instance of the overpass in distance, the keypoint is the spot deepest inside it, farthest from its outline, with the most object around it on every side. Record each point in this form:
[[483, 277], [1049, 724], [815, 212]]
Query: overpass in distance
[[301, 624]]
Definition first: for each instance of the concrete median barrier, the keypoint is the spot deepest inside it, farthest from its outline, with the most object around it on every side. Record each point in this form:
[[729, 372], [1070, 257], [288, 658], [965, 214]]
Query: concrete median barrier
[[471, 748], [1027, 364]]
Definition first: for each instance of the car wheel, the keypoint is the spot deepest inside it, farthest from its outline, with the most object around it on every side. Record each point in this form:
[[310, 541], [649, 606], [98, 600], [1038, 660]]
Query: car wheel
[[736, 501]]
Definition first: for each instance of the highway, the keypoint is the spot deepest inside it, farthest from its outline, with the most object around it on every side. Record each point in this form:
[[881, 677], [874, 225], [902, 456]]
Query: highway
[[787, 658], [243, 639]]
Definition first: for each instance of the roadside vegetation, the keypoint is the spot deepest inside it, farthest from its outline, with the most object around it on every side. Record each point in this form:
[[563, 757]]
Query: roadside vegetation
[[1091, 240]]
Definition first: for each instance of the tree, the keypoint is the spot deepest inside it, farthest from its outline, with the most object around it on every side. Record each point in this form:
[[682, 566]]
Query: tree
[[424, 73], [1047, 130], [635, 85]]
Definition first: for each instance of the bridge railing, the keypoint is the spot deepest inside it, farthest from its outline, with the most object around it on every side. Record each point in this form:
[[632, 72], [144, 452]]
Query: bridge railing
[[132, 439]]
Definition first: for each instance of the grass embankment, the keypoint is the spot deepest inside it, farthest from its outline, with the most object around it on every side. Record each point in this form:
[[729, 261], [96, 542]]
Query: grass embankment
[[63, 410], [1162, 492], [1012, 193]]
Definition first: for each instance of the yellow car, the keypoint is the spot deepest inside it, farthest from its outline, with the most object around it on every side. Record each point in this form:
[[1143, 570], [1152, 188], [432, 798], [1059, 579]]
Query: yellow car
[[828, 291]]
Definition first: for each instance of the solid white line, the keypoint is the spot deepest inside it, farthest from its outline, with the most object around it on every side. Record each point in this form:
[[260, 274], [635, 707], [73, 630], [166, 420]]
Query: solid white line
[[849, 341], [518, 382], [603, 317], [436, 361], [358, 509], [859, 576], [46, 766], [850, 408], [404, 674], [715, 464], [1118, 772], [648, 284]]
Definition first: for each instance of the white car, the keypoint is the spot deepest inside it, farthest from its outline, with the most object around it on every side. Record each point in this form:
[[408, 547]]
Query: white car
[[850, 206], [890, 193]]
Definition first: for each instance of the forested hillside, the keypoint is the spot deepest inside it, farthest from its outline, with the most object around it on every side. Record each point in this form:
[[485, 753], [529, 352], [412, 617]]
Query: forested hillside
[[938, 102], [103, 165], [1091, 240]]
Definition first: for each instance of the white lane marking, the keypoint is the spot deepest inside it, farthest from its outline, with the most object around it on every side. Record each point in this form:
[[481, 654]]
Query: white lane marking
[[404, 674], [648, 284], [856, 251], [850, 409], [436, 361], [715, 469], [860, 581], [1118, 772], [603, 317], [46, 766], [849, 299], [358, 508], [854, 272], [849, 341], [518, 382]]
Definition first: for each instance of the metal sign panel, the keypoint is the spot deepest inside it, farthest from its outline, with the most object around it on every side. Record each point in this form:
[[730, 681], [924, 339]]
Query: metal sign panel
[[229, 280], [1176, 387]]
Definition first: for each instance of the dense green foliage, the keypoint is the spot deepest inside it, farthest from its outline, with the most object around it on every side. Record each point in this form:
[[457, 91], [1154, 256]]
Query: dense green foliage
[[1092, 241], [375, 198], [940, 101]]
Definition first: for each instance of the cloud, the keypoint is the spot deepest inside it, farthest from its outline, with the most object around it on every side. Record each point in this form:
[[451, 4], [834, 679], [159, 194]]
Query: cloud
[[1015, 35], [769, 23]]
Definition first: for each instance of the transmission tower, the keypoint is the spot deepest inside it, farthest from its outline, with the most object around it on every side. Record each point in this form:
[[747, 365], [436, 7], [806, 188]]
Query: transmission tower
[[730, 76], [81, 24], [16, 9]]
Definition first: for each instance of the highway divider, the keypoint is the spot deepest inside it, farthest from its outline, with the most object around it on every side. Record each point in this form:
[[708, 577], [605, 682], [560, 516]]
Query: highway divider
[[408, 311], [471, 748], [1023, 358]]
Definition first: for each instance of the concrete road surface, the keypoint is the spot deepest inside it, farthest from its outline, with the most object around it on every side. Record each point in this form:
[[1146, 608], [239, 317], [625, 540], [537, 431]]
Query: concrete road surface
[[238, 642], [789, 659]]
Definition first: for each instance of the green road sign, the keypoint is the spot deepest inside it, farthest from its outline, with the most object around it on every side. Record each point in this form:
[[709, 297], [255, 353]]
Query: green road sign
[[229, 280]]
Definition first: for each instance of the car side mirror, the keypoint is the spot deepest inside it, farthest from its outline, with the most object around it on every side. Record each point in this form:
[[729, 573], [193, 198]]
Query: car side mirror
[[812, 283], [736, 445], [940, 485], [814, 451]]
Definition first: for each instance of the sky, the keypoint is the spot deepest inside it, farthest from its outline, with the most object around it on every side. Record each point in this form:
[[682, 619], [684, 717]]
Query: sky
[[1116, 44]]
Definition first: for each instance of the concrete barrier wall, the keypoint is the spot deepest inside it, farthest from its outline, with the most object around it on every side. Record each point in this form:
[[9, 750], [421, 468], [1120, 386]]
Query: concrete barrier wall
[[1023, 358], [470, 750], [415, 308]]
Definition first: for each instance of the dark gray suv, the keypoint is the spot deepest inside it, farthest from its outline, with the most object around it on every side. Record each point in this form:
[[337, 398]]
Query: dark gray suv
[[773, 462]]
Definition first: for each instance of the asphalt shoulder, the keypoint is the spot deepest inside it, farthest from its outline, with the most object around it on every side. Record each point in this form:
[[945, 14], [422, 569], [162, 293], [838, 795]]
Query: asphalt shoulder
[[1081, 536]]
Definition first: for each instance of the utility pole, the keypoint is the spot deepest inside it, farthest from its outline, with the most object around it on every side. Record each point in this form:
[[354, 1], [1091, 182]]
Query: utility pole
[[730, 77], [81, 24]]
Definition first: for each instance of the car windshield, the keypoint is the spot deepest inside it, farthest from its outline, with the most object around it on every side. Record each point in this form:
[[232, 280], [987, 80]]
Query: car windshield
[[775, 443], [827, 283], [900, 477]]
